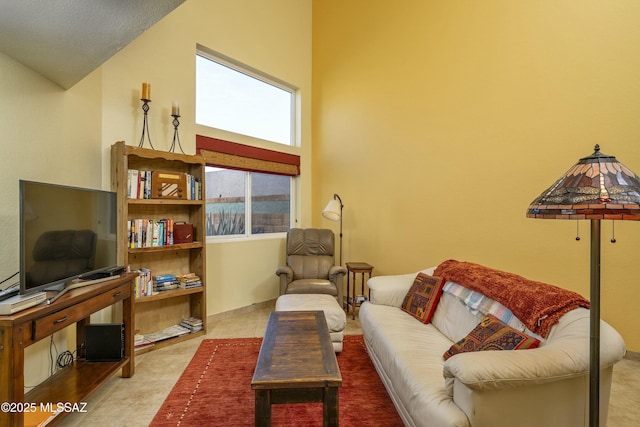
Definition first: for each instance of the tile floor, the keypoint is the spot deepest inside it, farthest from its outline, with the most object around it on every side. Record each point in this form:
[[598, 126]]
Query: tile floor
[[134, 401]]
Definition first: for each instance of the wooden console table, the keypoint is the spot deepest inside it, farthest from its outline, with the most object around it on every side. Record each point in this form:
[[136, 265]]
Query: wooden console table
[[73, 383]]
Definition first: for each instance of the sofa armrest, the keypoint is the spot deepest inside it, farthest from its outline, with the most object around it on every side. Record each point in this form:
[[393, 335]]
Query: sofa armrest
[[495, 370], [560, 359], [391, 290]]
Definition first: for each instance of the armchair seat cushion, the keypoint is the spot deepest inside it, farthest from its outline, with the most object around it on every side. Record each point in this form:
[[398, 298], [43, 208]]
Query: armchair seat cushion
[[312, 286]]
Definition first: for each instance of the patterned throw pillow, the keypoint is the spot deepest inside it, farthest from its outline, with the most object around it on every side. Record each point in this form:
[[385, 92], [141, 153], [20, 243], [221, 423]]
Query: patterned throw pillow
[[423, 296], [492, 334]]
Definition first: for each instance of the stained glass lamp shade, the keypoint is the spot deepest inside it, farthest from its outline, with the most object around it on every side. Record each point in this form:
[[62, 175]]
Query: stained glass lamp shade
[[597, 187]]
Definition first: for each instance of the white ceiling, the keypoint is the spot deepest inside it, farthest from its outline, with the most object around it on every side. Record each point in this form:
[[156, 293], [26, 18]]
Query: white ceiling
[[65, 40]]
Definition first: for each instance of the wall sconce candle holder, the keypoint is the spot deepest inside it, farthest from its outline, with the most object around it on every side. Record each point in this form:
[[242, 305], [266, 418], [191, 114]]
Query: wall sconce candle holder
[[145, 124], [176, 137]]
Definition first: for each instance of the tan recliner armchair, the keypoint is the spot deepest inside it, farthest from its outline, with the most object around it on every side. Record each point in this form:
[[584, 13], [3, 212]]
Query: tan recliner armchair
[[310, 265]]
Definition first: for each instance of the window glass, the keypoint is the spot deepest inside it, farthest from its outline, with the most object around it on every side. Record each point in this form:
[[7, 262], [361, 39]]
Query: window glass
[[225, 203], [235, 101], [270, 203]]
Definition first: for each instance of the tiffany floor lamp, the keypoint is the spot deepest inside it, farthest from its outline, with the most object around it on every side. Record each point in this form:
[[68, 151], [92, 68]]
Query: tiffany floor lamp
[[597, 187]]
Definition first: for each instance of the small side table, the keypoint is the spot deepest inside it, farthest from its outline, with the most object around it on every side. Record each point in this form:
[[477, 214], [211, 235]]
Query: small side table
[[354, 268]]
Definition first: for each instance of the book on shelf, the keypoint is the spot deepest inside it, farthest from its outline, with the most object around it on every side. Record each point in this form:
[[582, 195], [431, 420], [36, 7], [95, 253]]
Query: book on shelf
[[140, 342], [167, 333], [147, 233], [192, 323], [132, 181], [165, 282], [146, 284], [194, 188], [164, 278], [139, 185], [166, 286], [189, 280], [143, 283]]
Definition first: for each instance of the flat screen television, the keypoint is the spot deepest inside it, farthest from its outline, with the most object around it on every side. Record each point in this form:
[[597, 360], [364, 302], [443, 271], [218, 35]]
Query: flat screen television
[[66, 233]]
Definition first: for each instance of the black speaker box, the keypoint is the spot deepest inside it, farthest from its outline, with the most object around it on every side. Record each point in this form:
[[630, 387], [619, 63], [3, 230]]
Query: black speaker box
[[104, 342]]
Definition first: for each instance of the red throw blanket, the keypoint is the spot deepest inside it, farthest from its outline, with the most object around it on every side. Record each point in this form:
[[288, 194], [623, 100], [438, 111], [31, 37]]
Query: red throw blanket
[[538, 305]]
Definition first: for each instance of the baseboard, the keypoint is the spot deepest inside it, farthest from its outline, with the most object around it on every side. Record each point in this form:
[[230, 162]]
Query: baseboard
[[632, 355], [246, 309]]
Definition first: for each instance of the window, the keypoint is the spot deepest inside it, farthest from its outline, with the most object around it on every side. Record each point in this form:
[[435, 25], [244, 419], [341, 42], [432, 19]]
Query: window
[[237, 198], [243, 101], [249, 190]]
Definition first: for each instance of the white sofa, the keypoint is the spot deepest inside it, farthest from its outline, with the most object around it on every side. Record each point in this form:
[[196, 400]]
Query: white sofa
[[545, 386]]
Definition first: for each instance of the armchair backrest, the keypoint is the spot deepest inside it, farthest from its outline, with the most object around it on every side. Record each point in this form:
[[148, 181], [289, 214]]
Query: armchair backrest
[[310, 252]]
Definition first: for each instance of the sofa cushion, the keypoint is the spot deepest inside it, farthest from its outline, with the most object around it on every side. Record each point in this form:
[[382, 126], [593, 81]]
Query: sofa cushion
[[480, 305], [423, 296], [492, 334], [408, 356], [453, 319]]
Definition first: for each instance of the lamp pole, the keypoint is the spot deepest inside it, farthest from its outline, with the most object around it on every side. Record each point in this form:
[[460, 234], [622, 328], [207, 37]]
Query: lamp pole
[[335, 196], [594, 355]]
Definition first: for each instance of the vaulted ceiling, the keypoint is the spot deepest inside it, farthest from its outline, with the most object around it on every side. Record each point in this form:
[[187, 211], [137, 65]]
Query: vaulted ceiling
[[65, 40]]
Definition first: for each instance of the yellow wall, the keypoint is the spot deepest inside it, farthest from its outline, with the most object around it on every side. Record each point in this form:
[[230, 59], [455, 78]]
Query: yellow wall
[[53, 135], [438, 122]]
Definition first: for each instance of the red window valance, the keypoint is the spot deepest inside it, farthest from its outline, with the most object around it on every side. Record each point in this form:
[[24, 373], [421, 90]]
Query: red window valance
[[227, 154]]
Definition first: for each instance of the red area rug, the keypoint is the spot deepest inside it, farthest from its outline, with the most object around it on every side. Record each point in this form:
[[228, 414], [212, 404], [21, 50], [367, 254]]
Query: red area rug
[[215, 390]]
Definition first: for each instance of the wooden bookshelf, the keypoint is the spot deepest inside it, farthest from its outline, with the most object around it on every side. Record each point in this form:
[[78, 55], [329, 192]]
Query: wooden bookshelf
[[168, 308]]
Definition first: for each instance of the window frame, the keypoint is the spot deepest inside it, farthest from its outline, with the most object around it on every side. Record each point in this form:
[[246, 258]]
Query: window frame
[[263, 77]]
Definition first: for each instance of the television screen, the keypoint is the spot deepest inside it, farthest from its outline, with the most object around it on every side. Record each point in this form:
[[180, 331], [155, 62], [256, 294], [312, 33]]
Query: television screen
[[66, 233]]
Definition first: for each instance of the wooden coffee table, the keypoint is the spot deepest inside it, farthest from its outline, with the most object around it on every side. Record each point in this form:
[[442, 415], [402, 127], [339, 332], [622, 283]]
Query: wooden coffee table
[[296, 364]]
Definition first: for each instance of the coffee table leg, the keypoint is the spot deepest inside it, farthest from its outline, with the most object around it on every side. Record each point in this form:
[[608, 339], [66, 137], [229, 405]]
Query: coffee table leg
[[330, 407], [263, 408]]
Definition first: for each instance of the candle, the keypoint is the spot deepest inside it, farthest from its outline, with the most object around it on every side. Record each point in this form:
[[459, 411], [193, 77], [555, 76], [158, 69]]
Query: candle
[[146, 91], [175, 109]]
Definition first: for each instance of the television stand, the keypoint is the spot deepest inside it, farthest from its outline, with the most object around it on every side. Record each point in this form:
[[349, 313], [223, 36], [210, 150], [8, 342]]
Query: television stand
[[75, 382]]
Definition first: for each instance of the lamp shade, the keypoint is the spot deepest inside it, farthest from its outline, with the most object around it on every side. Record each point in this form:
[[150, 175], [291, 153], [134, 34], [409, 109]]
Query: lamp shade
[[597, 187], [332, 211]]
